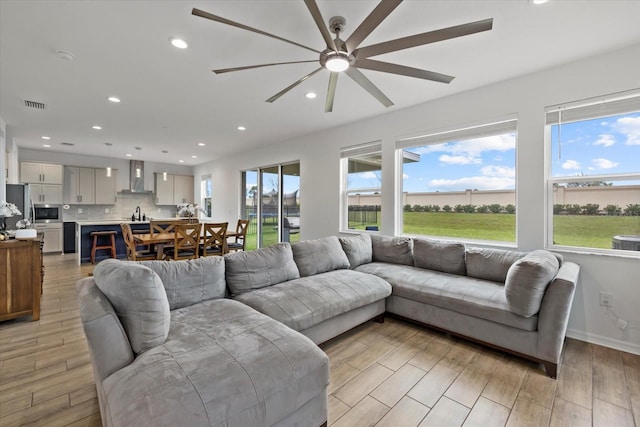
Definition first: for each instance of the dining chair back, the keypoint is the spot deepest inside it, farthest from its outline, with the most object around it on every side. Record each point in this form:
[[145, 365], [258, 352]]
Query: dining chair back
[[133, 251], [214, 236], [186, 242], [238, 244], [162, 226]]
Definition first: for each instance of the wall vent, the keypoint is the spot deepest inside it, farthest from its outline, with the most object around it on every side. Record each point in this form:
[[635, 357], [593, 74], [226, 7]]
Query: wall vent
[[69, 144], [34, 104]]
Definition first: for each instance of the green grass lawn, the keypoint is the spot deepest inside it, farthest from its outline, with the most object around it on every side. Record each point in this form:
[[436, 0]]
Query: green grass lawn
[[569, 230]]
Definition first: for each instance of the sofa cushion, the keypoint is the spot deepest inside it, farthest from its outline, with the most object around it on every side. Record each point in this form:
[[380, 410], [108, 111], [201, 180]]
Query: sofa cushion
[[192, 281], [319, 256], [308, 301], [357, 248], [223, 364], [462, 294], [395, 250], [138, 296], [439, 255], [490, 264], [527, 280], [249, 270]]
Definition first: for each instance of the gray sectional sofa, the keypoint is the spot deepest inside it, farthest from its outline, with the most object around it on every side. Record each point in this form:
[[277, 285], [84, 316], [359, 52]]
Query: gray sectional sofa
[[230, 341]]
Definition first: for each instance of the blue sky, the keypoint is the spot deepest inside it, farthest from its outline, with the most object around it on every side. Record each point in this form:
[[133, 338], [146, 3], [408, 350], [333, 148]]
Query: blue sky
[[594, 147]]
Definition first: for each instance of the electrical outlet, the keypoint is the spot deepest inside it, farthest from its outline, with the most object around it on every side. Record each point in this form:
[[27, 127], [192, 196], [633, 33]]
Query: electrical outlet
[[106, 210], [606, 299], [622, 324], [79, 210]]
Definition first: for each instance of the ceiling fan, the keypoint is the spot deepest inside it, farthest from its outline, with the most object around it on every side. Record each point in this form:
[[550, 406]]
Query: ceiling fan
[[346, 56]]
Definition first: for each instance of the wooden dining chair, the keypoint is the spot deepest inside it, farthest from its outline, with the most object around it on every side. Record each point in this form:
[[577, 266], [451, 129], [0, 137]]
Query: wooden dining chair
[[134, 253], [214, 236], [238, 243], [160, 226], [186, 243]]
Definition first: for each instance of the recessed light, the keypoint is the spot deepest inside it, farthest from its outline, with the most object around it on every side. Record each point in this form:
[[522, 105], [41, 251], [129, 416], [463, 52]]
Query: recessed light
[[180, 161], [539, 1], [311, 95], [114, 99], [46, 145], [179, 43], [63, 54], [45, 137], [129, 155], [242, 128], [96, 127], [201, 144], [194, 157]]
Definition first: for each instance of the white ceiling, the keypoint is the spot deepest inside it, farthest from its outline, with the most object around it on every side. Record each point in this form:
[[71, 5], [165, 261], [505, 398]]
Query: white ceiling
[[172, 101]]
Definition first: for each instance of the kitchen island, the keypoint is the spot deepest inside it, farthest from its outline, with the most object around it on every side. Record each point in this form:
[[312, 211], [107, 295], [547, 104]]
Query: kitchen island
[[84, 239]]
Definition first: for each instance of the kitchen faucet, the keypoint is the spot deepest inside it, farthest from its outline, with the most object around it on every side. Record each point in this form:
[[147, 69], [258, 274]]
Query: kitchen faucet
[[138, 212]]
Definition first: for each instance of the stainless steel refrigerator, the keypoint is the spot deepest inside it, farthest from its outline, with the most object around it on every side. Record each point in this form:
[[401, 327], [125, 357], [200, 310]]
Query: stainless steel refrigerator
[[19, 195]]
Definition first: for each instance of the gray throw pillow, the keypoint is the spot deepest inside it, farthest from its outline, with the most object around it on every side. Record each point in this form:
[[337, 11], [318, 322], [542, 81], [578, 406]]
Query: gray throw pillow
[[490, 264], [394, 250], [319, 256], [438, 255], [138, 296], [249, 270], [358, 249], [527, 281], [191, 281]]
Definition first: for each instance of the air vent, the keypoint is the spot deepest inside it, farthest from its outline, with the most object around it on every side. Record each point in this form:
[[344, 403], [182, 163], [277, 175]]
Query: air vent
[[34, 104], [68, 144]]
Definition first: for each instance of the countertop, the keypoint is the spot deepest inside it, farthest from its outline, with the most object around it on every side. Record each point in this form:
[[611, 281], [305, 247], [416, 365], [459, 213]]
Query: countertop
[[116, 221]]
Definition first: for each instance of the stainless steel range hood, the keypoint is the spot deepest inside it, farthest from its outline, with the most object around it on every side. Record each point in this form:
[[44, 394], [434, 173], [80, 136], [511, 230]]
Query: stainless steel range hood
[[136, 178]]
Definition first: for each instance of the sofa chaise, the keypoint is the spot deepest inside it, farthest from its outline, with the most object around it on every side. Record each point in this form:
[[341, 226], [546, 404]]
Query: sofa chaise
[[230, 341]]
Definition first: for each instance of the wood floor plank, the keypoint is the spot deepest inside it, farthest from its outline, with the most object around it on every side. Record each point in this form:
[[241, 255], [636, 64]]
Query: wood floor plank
[[471, 382], [458, 357], [606, 414], [397, 385], [366, 413], [431, 355], [486, 413], [42, 412], [406, 413], [577, 354], [505, 383], [526, 413], [405, 351], [445, 413], [335, 408], [433, 385], [575, 386], [539, 388], [568, 414], [360, 386], [340, 375]]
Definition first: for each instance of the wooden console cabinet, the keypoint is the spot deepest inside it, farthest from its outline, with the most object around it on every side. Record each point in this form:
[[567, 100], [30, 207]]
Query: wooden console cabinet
[[20, 278]]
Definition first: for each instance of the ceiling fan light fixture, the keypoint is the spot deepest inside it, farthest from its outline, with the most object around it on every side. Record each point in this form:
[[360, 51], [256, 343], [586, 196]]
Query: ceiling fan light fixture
[[337, 63]]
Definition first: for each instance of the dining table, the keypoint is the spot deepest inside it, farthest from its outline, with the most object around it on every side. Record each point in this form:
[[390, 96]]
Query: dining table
[[161, 240]]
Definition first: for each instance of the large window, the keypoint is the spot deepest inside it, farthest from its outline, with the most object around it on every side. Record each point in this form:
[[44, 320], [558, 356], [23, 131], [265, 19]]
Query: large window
[[206, 190], [271, 202], [361, 184], [461, 183], [594, 173]]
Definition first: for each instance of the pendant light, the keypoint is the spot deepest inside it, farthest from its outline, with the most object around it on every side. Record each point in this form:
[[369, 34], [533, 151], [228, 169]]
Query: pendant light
[[108, 144]]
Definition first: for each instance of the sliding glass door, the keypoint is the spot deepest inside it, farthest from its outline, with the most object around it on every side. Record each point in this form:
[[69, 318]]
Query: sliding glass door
[[271, 201]]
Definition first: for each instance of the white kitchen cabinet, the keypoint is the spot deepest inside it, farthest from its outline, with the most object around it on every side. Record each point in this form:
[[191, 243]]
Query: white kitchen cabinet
[[106, 193], [79, 188], [182, 189], [52, 236], [41, 173], [50, 194], [164, 190]]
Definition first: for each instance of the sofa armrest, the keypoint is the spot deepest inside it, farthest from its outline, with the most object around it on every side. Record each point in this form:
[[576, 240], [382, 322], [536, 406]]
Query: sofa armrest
[[108, 343], [554, 312]]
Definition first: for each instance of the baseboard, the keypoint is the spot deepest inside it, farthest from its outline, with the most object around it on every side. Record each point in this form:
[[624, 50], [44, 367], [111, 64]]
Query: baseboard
[[604, 341]]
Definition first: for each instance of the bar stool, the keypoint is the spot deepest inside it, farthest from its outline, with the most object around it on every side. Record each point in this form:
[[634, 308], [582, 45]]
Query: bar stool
[[112, 246]]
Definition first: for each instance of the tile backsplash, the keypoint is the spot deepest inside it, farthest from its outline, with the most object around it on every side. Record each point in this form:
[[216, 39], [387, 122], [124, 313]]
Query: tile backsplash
[[124, 208]]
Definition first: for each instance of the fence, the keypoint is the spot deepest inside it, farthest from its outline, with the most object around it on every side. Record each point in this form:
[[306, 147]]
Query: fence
[[363, 215], [269, 216]]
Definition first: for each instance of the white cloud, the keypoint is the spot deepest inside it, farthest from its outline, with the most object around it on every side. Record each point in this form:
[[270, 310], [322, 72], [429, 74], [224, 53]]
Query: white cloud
[[405, 176], [605, 140], [473, 147], [571, 164], [479, 182], [630, 127], [603, 163], [367, 175], [499, 171], [459, 160]]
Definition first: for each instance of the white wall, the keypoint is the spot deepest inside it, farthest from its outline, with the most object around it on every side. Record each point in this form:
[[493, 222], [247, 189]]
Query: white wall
[[526, 96]]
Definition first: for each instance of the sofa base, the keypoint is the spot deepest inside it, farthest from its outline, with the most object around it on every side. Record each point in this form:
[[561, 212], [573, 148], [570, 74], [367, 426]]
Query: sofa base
[[473, 329]]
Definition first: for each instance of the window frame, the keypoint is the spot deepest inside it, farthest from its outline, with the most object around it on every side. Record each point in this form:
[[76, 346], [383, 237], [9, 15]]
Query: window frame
[[584, 110], [479, 129]]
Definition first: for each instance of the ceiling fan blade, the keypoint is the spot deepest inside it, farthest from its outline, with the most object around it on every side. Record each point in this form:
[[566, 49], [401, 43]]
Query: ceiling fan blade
[[386, 67], [249, 67], [367, 85], [424, 38], [291, 86], [331, 92], [317, 16], [207, 15], [371, 22]]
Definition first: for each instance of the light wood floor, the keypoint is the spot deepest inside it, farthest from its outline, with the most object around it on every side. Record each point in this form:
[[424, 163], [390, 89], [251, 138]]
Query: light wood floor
[[391, 374]]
